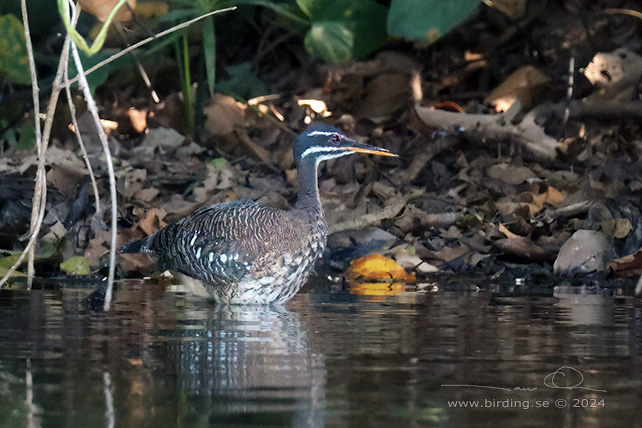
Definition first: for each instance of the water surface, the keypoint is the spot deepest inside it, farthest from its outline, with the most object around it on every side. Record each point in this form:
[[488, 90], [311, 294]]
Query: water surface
[[457, 358]]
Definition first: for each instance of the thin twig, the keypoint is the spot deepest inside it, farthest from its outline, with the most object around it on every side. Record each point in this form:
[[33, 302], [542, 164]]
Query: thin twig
[[139, 66], [35, 91], [93, 110], [40, 190], [569, 91], [630, 12], [149, 39], [85, 156]]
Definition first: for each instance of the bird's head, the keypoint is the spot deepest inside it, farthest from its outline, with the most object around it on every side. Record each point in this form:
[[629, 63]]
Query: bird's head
[[322, 142]]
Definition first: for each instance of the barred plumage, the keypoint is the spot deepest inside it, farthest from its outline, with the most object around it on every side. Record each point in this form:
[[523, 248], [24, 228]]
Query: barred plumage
[[245, 253]]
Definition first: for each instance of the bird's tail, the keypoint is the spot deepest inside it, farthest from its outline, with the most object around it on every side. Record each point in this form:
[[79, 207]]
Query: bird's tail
[[140, 246]]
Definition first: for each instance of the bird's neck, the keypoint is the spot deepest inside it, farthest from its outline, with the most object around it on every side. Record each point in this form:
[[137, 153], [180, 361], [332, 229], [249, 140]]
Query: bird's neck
[[308, 197]]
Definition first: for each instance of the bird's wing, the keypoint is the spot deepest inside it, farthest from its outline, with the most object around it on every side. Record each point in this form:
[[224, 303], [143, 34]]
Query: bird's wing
[[223, 240]]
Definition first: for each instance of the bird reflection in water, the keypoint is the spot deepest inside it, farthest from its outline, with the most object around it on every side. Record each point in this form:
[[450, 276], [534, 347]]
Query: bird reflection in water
[[252, 360]]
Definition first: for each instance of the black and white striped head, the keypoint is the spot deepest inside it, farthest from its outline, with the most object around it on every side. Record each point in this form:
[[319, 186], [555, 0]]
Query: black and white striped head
[[323, 142]]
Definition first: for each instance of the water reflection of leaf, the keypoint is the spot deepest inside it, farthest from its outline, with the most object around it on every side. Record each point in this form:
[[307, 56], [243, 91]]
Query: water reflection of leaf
[[378, 288]]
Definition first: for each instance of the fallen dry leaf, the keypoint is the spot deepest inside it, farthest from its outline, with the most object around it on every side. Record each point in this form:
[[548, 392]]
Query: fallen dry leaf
[[510, 174], [508, 233], [616, 228], [448, 254], [161, 139], [148, 194], [98, 248], [137, 119], [150, 9], [524, 85], [223, 114], [317, 106], [616, 74], [522, 247], [551, 196], [628, 265], [102, 8], [385, 94], [153, 221], [377, 267]]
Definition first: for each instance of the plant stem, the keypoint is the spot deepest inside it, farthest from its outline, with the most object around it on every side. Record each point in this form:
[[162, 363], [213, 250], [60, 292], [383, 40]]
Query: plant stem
[[91, 107], [187, 86], [40, 193], [149, 39], [41, 179]]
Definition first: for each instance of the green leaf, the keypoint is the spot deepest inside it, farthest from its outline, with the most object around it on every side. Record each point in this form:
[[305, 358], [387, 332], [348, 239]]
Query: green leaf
[[75, 266], [317, 10], [367, 21], [330, 40], [8, 261], [99, 76], [13, 50], [9, 134], [209, 50], [27, 138], [283, 10], [306, 6], [242, 82], [425, 21], [219, 164], [4, 270], [63, 10]]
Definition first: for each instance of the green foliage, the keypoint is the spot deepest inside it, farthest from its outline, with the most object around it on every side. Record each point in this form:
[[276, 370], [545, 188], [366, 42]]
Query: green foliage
[[242, 83], [63, 9], [332, 30], [75, 266], [330, 40], [186, 10], [101, 75], [209, 51], [22, 138], [219, 164], [8, 261], [14, 62], [27, 137], [341, 30], [425, 21]]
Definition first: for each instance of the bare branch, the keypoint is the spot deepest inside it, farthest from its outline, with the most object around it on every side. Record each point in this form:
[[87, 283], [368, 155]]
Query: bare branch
[[74, 121], [93, 110], [40, 191]]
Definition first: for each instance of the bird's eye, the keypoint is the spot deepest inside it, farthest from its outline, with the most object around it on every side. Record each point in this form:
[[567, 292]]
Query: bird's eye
[[335, 139]]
